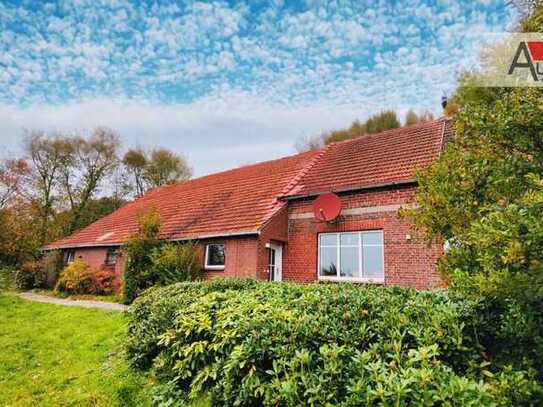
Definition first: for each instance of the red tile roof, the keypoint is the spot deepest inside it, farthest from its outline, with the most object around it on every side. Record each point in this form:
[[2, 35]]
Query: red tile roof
[[240, 201], [237, 201], [383, 158]]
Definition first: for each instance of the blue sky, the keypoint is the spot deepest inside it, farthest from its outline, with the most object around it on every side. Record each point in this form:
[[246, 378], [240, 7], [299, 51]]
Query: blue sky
[[229, 83]]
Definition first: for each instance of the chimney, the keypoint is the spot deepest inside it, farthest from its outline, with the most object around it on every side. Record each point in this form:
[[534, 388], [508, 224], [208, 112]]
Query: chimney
[[444, 101]]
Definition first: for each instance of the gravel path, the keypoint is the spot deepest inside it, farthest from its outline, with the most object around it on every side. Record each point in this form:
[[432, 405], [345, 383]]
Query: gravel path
[[73, 303]]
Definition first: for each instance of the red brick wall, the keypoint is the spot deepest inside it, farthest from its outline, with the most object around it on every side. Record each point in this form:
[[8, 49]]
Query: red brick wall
[[240, 257], [95, 258], [275, 230], [408, 263]]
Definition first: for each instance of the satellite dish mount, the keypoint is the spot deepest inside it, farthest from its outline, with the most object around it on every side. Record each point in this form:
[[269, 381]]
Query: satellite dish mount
[[327, 207]]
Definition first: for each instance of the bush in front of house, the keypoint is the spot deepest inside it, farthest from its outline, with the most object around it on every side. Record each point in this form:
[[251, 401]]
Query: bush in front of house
[[174, 263], [40, 273], [287, 344], [154, 313], [50, 267], [28, 275], [137, 251], [151, 262], [79, 278], [76, 278]]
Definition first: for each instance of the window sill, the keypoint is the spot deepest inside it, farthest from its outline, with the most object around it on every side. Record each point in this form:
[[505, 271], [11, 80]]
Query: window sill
[[213, 268], [352, 280]]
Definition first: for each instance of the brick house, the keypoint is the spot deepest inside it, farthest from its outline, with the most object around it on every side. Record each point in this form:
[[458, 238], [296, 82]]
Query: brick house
[[257, 221]]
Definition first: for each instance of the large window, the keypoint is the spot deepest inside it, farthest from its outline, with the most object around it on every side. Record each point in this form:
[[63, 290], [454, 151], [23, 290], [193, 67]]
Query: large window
[[355, 256], [215, 257]]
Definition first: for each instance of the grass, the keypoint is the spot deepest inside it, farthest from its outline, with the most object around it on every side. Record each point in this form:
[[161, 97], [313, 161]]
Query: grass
[[64, 356]]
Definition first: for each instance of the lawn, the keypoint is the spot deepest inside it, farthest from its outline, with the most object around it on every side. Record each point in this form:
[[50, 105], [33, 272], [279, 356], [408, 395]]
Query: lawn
[[64, 356]]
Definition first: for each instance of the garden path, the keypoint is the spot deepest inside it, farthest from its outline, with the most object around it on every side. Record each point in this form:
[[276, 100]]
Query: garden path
[[73, 303]]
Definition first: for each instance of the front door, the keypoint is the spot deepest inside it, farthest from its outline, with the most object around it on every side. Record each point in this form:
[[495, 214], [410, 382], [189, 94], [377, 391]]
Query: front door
[[276, 262]]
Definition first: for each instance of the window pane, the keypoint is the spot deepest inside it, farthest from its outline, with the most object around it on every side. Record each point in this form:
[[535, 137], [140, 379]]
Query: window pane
[[328, 261], [215, 255], [349, 261], [349, 239], [329, 240], [111, 257], [373, 238], [372, 257]]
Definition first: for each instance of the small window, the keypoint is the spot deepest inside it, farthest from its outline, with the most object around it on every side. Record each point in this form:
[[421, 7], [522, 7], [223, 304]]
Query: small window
[[111, 257], [69, 256], [215, 257], [352, 256]]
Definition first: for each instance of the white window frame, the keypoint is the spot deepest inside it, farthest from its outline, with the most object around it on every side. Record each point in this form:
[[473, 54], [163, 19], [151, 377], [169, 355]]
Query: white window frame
[[115, 255], [214, 267], [337, 277], [70, 257]]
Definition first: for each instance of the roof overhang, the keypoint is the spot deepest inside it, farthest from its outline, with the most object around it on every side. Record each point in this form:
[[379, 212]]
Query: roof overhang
[[181, 239], [361, 188]]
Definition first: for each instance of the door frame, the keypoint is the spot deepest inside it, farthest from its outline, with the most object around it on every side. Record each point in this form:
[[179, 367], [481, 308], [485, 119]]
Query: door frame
[[278, 269]]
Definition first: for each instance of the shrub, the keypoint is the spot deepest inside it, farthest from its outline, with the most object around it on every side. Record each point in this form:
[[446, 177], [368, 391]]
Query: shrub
[[28, 275], [138, 261], [76, 278], [291, 345], [251, 343], [151, 262], [50, 268], [154, 313], [7, 278], [104, 282], [174, 263]]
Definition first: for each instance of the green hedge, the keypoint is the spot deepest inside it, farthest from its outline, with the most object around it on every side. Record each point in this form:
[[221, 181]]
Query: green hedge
[[248, 343], [154, 313]]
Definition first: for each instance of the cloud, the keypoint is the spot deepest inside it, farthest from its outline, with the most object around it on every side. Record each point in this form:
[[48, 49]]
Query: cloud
[[212, 134], [247, 73]]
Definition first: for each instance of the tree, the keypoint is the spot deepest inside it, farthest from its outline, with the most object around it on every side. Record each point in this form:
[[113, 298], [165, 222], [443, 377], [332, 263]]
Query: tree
[[165, 167], [411, 117], [382, 121], [88, 162], [135, 161], [47, 155], [376, 123], [309, 143], [19, 241], [13, 177], [138, 250], [484, 197]]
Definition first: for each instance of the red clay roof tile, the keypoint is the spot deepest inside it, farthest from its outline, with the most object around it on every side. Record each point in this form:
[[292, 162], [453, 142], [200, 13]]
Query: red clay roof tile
[[242, 200], [236, 201], [387, 157]]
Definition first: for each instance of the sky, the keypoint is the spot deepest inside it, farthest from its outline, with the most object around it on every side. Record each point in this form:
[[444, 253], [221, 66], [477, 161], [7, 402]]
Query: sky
[[228, 83]]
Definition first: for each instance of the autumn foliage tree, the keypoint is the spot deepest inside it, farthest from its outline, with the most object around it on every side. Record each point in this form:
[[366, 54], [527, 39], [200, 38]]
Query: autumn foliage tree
[[484, 198], [155, 168], [376, 123]]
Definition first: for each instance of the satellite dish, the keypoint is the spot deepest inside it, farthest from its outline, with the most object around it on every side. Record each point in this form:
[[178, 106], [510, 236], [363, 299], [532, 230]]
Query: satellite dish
[[327, 207]]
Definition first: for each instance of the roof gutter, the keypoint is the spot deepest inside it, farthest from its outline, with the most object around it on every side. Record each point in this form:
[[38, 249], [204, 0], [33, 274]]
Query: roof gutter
[[411, 181], [183, 239]]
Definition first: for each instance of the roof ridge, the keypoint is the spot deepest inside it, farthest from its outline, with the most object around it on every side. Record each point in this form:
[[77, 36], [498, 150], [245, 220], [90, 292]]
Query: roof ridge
[[293, 183], [274, 208], [382, 132], [234, 169]]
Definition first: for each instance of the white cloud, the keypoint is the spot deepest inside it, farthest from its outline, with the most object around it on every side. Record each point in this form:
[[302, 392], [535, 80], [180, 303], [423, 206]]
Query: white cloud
[[249, 80], [214, 134]]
